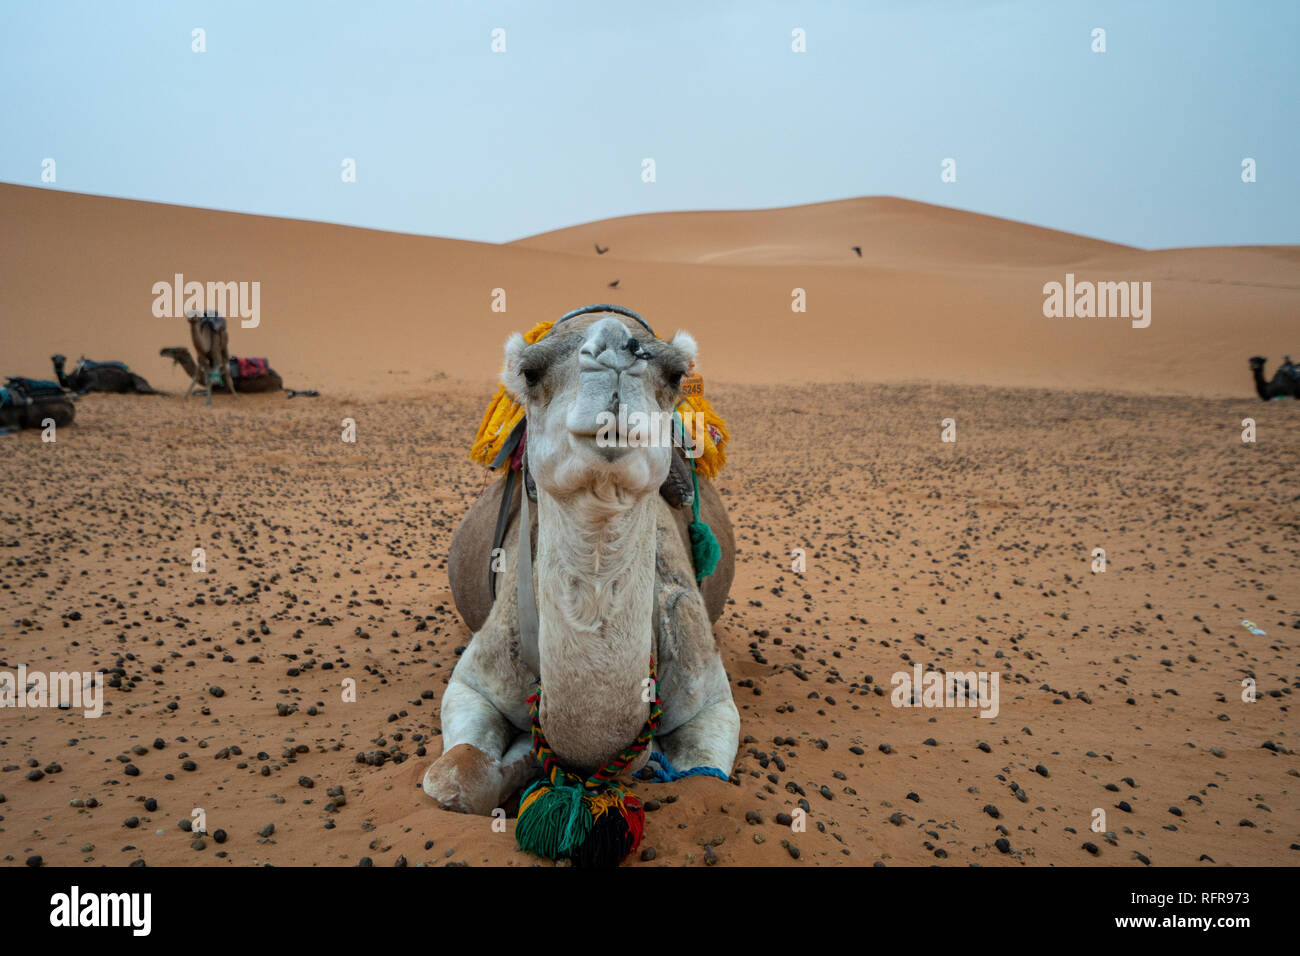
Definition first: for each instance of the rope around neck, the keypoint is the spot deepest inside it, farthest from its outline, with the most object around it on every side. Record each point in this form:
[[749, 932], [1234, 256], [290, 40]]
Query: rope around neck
[[594, 821]]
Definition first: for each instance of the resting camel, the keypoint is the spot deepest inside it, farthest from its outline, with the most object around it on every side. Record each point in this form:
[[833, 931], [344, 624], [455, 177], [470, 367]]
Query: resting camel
[[88, 376], [270, 382], [1286, 380], [212, 347], [613, 582]]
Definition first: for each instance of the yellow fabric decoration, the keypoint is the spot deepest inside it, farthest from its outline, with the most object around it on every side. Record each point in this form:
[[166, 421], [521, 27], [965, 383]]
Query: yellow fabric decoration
[[504, 413]]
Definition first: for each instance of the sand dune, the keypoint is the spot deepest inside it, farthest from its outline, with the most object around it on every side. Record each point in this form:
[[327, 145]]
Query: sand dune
[[938, 296], [892, 233]]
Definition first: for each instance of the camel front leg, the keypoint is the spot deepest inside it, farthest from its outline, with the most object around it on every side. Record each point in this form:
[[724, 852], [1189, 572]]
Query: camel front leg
[[484, 757], [708, 740]]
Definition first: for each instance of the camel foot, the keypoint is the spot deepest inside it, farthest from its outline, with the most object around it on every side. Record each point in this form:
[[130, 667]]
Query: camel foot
[[466, 780]]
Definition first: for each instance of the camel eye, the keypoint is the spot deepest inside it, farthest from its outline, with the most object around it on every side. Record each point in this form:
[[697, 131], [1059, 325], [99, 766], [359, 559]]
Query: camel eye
[[675, 379], [532, 376]]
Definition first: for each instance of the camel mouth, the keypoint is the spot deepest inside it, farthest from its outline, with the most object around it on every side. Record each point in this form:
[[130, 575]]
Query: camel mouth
[[591, 441]]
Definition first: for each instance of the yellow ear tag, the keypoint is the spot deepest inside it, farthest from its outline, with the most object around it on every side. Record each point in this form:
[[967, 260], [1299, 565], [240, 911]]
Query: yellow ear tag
[[692, 386]]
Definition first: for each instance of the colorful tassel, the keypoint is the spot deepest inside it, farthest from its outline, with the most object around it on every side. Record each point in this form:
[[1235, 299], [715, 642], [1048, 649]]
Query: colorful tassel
[[594, 822]]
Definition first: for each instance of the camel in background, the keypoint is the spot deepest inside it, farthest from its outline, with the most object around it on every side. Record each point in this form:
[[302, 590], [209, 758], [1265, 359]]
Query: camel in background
[[270, 381], [1286, 380], [212, 349], [88, 376]]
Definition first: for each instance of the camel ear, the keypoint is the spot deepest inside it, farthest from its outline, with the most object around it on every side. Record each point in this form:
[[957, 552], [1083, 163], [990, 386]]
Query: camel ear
[[684, 342], [510, 377]]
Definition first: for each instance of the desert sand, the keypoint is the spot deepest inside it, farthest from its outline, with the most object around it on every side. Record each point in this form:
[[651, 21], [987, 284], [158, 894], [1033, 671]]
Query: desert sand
[[1120, 691]]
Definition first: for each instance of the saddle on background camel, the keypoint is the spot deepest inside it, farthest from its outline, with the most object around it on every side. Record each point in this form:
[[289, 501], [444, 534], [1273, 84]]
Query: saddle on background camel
[[250, 367], [85, 364]]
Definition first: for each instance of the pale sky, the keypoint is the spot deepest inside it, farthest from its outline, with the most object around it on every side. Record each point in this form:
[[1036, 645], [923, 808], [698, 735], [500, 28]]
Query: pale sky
[[1141, 144]]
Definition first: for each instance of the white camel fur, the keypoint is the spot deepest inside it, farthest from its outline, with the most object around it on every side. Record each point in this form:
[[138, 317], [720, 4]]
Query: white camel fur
[[614, 583]]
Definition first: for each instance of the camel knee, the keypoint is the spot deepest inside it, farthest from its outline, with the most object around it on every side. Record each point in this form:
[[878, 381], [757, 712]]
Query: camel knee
[[709, 739], [466, 780]]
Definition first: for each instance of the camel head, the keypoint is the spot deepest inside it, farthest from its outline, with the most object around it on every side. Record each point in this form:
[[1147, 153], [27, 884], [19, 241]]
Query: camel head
[[599, 391], [59, 360], [1257, 363]]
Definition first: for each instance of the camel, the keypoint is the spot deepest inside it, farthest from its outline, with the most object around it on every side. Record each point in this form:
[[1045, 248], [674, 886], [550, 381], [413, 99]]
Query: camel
[[212, 348], [613, 582], [87, 376], [28, 403], [1286, 380], [270, 382]]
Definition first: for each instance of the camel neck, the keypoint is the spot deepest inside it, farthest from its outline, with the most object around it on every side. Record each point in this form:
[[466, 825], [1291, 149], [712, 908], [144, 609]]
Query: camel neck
[[595, 605], [1261, 386]]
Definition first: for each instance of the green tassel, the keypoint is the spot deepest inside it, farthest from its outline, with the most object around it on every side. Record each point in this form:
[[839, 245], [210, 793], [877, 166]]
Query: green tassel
[[705, 550], [555, 822]]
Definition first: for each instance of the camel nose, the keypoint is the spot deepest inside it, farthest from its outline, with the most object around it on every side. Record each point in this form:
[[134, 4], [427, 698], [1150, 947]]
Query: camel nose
[[609, 346]]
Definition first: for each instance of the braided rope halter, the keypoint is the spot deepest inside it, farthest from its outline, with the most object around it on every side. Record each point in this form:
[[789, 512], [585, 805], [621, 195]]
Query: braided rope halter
[[595, 821]]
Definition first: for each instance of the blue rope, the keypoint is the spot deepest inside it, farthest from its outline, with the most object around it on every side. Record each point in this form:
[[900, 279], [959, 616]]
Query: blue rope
[[665, 772]]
